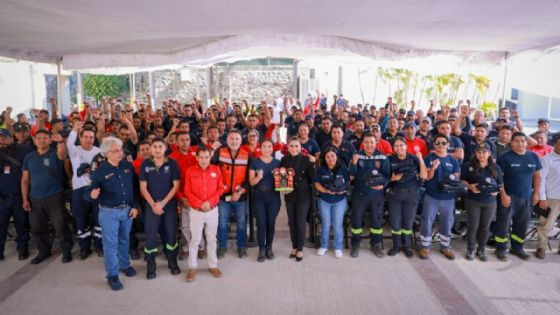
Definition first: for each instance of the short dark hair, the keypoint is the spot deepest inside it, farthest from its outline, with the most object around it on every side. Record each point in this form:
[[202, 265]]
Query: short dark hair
[[180, 133], [202, 149], [86, 129], [441, 135], [518, 134], [158, 139], [40, 131]]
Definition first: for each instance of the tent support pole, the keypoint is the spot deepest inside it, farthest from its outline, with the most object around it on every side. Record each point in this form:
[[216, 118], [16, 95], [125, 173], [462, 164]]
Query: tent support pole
[[339, 80], [506, 58], [132, 88], [58, 88], [80, 90], [152, 88]]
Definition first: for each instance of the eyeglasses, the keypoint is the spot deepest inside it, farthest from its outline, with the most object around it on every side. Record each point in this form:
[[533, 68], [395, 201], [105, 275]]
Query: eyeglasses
[[440, 143]]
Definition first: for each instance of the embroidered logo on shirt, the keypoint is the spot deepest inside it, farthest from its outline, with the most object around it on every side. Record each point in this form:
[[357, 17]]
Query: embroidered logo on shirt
[[46, 162], [213, 175]]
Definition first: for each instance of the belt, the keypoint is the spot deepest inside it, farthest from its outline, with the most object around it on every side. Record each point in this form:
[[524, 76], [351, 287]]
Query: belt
[[263, 189], [123, 206]]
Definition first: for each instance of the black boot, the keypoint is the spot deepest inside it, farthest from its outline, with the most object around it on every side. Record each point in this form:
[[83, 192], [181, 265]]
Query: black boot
[[269, 253], [261, 257], [172, 262], [151, 266]]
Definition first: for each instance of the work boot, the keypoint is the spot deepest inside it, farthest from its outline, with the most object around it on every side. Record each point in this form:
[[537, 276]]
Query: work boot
[[393, 251], [172, 263], [151, 266], [84, 254], [242, 252], [66, 257], [134, 254], [540, 253], [481, 253], [377, 251], [23, 254], [470, 254], [2, 257], [114, 283], [129, 272], [269, 253], [520, 253], [40, 258], [262, 254], [221, 252], [424, 253], [447, 253], [354, 251], [501, 254], [409, 253]]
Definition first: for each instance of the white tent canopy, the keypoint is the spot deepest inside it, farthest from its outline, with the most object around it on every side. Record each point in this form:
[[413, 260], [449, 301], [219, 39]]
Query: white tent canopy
[[95, 34]]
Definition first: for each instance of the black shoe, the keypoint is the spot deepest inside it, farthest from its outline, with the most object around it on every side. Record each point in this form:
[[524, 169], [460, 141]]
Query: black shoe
[[99, 252], [134, 254], [23, 254], [151, 267], [242, 252], [66, 257], [114, 283], [172, 263], [377, 251], [481, 253], [261, 257], [292, 255], [39, 258], [520, 253], [409, 253], [2, 257], [354, 251], [491, 242], [221, 252], [299, 258], [84, 254], [393, 251], [470, 255], [129, 272], [269, 253], [501, 254]]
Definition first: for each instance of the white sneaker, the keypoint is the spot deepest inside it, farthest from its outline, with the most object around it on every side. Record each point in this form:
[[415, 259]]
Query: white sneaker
[[321, 251], [338, 253]]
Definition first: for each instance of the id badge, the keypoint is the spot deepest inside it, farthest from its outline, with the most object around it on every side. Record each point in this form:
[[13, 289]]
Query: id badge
[[7, 169]]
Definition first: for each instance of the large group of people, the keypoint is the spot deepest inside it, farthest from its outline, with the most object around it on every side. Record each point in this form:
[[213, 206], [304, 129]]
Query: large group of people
[[190, 173]]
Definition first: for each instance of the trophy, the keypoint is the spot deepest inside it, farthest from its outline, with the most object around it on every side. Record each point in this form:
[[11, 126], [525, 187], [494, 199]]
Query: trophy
[[283, 179]]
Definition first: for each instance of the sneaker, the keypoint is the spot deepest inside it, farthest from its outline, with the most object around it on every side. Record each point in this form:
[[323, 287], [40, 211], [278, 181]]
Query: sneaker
[[501, 254], [321, 251], [393, 251], [338, 253], [354, 251], [114, 283], [424, 253], [129, 272], [540, 253], [481, 253], [470, 254], [221, 252], [242, 252], [447, 253], [520, 253], [377, 251]]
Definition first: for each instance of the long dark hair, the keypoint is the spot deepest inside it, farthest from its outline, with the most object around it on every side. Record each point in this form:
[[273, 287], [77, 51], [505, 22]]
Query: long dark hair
[[492, 169], [323, 162]]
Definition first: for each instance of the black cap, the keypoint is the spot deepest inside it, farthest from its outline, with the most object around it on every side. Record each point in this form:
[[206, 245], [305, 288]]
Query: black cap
[[402, 111], [409, 124], [308, 117], [21, 127], [483, 146], [543, 121], [56, 121]]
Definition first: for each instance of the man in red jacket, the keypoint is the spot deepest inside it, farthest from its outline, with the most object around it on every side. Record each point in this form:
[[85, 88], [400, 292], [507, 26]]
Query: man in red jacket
[[203, 188]]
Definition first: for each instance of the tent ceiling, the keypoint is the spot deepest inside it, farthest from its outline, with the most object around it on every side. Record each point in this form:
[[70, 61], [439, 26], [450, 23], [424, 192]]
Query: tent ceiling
[[108, 33]]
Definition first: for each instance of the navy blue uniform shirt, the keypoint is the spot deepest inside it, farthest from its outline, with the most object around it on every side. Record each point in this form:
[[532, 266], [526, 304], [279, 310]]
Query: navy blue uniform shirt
[[44, 183], [345, 152], [267, 182], [409, 167], [518, 172], [117, 185], [332, 181], [159, 179], [448, 166], [10, 172], [370, 166], [469, 174]]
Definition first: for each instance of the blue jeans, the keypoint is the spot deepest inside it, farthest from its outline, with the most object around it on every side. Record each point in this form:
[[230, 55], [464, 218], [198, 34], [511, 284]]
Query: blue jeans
[[332, 214], [446, 209], [115, 228], [240, 211]]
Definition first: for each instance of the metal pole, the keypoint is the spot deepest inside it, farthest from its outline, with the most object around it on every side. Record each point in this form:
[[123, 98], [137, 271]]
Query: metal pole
[[133, 88], [80, 90], [295, 80], [339, 80], [152, 88], [506, 58], [58, 87]]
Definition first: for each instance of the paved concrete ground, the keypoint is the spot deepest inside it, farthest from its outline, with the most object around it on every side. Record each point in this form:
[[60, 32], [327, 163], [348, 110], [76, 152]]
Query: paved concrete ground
[[317, 285]]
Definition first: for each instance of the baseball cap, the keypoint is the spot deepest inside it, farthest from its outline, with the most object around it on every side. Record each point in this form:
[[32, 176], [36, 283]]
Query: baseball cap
[[21, 127], [409, 124], [4, 132], [410, 113], [483, 147], [428, 119], [543, 121]]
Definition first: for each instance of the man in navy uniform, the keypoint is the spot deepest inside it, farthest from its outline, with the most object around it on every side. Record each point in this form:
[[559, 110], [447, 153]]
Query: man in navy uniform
[[112, 184], [42, 192], [11, 159], [522, 181]]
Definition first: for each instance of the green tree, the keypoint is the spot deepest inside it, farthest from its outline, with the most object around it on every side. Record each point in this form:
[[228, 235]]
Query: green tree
[[99, 86]]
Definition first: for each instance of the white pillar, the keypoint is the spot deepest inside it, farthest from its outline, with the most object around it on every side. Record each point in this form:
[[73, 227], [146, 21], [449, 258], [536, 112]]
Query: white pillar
[[132, 87], [295, 78], [80, 90], [58, 87], [340, 80], [152, 88], [504, 82]]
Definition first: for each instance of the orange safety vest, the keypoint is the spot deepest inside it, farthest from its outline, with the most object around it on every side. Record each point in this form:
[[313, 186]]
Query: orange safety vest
[[234, 169]]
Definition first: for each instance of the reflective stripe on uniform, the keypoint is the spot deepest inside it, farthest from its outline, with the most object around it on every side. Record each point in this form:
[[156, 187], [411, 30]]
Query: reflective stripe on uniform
[[171, 247], [406, 232], [150, 251], [399, 232], [357, 231], [376, 231], [517, 238], [500, 239]]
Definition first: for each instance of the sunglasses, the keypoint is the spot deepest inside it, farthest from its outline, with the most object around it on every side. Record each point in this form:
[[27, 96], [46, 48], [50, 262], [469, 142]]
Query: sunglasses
[[440, 143]]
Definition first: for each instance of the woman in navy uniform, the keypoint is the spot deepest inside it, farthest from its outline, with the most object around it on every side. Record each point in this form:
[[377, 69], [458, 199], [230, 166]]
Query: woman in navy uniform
[[332, 182], [484, 179], [404, 195], [159, 182]]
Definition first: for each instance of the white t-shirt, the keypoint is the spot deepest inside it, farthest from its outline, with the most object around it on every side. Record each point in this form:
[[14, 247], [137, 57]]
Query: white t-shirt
[[78, 156]]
